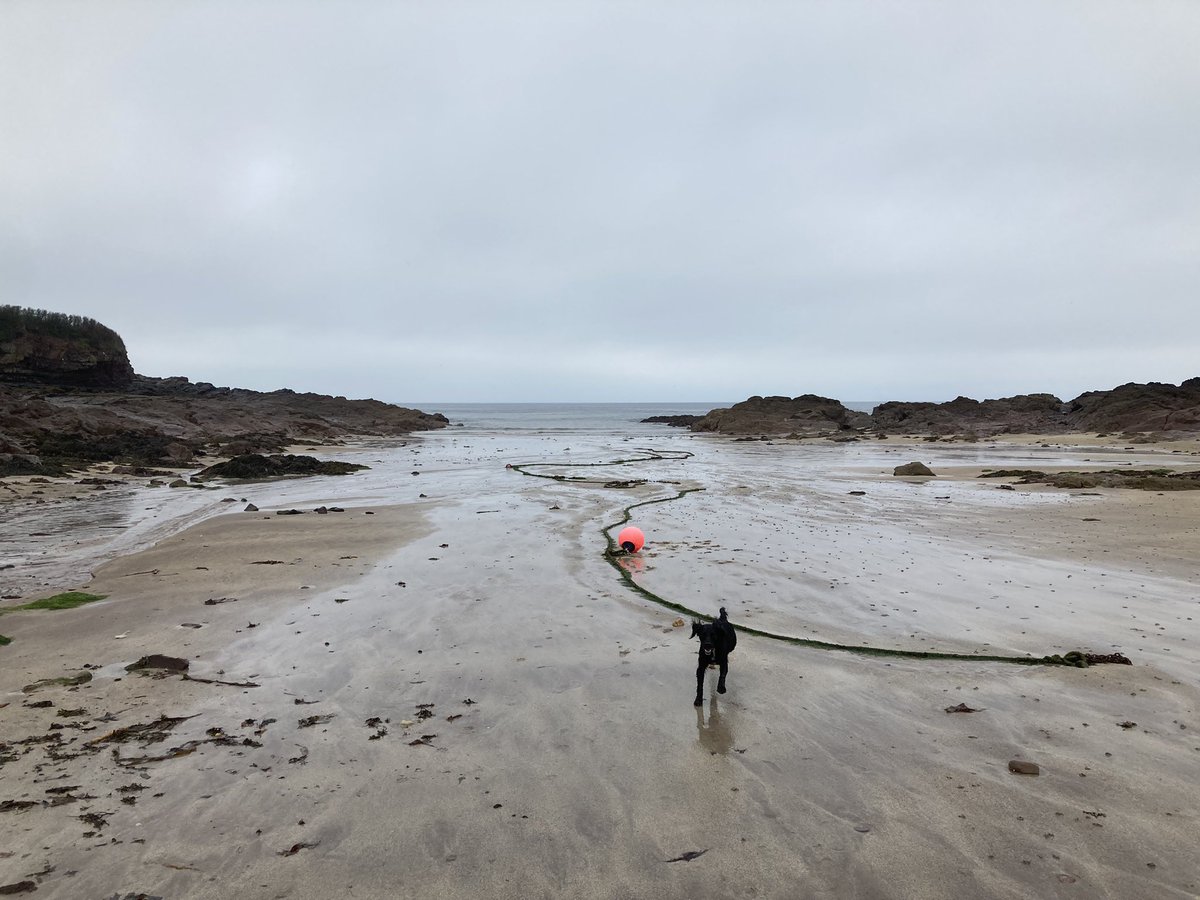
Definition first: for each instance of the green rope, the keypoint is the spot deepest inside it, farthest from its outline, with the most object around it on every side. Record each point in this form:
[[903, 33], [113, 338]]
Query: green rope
[[614, 554]]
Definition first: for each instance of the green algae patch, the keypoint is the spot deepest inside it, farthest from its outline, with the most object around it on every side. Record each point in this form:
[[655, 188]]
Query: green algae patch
[[68, 600], [4, 640]]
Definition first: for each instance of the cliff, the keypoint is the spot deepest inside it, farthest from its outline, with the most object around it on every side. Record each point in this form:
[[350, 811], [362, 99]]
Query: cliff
[[39, 347]]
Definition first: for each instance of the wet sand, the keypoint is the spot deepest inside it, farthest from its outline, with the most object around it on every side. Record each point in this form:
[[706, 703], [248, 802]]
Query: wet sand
[[579, 767]]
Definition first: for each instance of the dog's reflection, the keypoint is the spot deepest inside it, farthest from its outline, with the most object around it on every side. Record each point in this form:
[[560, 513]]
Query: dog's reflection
[[714, 733]]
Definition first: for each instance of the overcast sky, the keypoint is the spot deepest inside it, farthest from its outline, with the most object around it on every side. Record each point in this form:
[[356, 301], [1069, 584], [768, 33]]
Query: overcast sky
[[622, 201]]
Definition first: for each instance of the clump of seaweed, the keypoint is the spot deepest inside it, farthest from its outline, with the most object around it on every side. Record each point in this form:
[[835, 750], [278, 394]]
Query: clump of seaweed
[[1136, 479], [67, 600]]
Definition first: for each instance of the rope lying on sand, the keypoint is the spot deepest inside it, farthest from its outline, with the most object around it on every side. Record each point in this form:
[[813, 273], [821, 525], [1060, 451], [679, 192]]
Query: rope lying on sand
[[613, 554]]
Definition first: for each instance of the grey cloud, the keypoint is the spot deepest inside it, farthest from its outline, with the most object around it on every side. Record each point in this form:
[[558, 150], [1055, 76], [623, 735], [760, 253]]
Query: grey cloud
[[504, 201]]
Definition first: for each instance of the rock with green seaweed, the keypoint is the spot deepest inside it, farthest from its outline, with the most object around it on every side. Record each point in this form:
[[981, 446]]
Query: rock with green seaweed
[[1135, 479], [255, 465]]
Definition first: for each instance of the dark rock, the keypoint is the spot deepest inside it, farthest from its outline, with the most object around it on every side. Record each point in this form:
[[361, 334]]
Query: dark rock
[[1023, 414], [804, 415], [18, 887], [254, 465], [250, 507], [1020, 767], [913, 468], [1132, 407], [679, 421], [159, 661]]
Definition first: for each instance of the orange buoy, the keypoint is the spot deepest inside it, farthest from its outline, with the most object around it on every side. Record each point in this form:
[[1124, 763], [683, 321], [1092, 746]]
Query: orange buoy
[[631, 539]]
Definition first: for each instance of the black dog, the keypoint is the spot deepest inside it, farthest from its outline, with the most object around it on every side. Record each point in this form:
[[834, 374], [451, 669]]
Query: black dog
[[717, 640]]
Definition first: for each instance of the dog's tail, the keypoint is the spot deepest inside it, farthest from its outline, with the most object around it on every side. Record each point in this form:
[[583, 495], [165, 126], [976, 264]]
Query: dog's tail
[[724, 618]]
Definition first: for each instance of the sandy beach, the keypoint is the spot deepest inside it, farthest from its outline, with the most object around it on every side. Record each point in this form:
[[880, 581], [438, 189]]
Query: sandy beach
[[446, 690]]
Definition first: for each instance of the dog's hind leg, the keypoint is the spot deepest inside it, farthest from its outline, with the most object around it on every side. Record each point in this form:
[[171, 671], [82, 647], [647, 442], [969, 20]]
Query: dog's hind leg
[[700, 670], [724, 672]]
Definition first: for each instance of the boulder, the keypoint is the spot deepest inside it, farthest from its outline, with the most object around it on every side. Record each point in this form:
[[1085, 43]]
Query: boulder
[[159, 661], [913, 468]]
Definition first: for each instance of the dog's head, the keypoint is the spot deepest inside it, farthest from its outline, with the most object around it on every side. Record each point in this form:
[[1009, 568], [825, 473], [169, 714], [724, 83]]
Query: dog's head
[[705, 632]]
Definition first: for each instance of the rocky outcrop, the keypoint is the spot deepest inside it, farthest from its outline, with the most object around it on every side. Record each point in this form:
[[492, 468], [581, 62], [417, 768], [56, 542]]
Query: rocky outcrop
[[254, 465], [1162, 409], [1138, 407], [679, 421], [44, 348], [68, 398], [806, 415], [1022, 414], [44, 431]]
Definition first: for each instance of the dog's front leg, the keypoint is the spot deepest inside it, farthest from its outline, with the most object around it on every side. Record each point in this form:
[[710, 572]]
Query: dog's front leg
[[700, 670], [724, 672]]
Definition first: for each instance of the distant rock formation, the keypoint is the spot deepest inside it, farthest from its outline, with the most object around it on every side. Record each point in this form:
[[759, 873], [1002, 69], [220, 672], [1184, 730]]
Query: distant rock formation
[[1138, 407], [679, 421], [807, 415], [45, 348], [1025, 413], [1159, 409], [68, 398]]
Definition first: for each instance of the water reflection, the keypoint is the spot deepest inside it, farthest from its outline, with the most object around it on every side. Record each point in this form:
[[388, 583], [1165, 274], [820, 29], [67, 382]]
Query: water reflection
[[713, 730], [635, 565]]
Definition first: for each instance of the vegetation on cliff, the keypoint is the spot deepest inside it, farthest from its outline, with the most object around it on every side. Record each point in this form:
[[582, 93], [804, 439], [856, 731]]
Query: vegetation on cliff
[[42, 347]]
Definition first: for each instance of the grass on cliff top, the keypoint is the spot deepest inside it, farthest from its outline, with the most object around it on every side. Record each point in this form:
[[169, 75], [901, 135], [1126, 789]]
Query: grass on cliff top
[[68, 600]]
